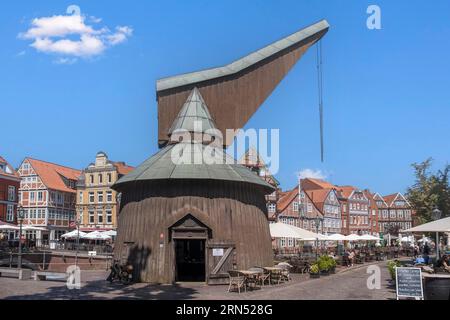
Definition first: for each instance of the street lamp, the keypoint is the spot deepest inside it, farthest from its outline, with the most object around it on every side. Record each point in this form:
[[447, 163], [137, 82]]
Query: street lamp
[[77, 223], [436, 215], [20, 217], [317, 222]]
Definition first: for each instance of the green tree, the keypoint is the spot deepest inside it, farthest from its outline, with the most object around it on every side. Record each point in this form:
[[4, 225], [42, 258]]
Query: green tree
[[429, 190]]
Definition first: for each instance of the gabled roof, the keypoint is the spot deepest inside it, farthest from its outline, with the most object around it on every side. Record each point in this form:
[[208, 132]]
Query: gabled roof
[[245, 62], [252, 159], [310, 183], [9, 170], [390, 198], [193, 113], [346, 191], [51, 174], [318, 197], [378, 197], [287, 198]]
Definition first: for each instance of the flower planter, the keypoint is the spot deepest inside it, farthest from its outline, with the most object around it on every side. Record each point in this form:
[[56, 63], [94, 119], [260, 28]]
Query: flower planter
[[325, 272], [333, 270]]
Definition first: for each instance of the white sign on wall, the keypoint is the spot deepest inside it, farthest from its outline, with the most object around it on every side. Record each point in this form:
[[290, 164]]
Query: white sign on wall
[[217, 252]]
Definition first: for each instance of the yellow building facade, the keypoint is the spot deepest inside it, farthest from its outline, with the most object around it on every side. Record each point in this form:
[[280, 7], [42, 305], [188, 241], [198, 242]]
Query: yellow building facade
[[97, 204]]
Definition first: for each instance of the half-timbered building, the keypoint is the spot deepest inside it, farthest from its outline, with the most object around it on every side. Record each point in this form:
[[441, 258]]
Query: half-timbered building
[[400, 213], [47, 193]]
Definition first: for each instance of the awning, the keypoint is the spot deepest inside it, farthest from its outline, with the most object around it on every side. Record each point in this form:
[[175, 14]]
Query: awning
[[7, 226], [442, 225], [283, 230]]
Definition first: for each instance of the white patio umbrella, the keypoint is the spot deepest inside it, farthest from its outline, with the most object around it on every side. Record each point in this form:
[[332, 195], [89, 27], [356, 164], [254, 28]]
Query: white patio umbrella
[[73, 234], [368, 237], [111, 233], [441, 225], [336, 237], [352, 237], [96, 235], [283, 230]]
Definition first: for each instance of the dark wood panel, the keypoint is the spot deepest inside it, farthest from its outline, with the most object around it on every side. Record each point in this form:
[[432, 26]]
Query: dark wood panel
[[235, 213]]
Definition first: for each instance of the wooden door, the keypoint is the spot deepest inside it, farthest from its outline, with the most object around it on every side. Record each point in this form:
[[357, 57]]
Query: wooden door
[[221, 257]]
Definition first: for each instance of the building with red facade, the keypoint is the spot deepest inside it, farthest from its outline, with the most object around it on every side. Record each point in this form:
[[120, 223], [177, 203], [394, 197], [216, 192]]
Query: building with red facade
[[9, 188]]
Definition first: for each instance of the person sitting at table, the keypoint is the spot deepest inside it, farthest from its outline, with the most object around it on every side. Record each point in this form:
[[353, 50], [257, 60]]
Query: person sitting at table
[[443, 263]]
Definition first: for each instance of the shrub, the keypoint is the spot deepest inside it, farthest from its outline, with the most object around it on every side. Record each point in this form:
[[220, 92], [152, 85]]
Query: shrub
[[314, 268], [391, 267]]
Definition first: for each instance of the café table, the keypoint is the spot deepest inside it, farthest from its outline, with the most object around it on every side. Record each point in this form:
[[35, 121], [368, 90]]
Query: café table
[[275, 273], [251, 276]]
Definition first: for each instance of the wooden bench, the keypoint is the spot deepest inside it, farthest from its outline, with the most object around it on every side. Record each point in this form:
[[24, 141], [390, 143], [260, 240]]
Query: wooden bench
[[21, 274], [44, 275]]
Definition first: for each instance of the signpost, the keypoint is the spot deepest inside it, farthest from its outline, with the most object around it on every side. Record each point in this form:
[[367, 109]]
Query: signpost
[[409, 283]]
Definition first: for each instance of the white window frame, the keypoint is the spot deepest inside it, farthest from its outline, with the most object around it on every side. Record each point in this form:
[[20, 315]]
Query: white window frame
[[10, 213], [11, 193]]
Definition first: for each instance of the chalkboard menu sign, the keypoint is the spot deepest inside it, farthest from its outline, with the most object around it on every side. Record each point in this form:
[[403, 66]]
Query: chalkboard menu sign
[[409, 283]]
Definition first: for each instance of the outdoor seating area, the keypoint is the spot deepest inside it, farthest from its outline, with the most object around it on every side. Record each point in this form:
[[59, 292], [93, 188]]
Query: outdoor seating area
[[257, 277]]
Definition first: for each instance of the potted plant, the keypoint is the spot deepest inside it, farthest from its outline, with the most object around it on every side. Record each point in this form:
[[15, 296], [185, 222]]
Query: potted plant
[[324, 266], [333, 264], [391, 267], [314, 271]]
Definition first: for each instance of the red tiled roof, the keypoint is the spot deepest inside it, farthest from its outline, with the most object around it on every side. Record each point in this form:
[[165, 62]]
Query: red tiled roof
[[12, 172], [51, 173], [123, 168], [390, 198], [286, 199], [346, 191], [318, 197], [310, 183]]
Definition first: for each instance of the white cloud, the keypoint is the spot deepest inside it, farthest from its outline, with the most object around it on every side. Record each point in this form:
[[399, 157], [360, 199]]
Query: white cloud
[[311, 173], [122, 33], [70, 36]]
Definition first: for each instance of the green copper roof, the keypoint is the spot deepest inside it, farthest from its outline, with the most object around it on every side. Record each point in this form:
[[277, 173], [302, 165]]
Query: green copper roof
[[194, 116], [177, 161]]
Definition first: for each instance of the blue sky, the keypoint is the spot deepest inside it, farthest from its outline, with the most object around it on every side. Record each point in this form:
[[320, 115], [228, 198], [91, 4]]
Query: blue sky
[[386, 94]]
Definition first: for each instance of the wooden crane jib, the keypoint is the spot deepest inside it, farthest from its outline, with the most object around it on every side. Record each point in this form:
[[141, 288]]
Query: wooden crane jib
[[234, 92]]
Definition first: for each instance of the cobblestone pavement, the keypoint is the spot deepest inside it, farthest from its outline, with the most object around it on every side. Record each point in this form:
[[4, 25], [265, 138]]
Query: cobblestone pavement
[[346, 284]]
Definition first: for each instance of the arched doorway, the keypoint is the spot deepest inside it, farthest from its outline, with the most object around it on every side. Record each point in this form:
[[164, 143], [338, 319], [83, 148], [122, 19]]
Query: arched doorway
[[189, 236]]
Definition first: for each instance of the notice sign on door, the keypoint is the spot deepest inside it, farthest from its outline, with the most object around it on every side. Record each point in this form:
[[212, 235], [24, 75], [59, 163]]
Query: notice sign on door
[[217, 252], [409, 283]]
